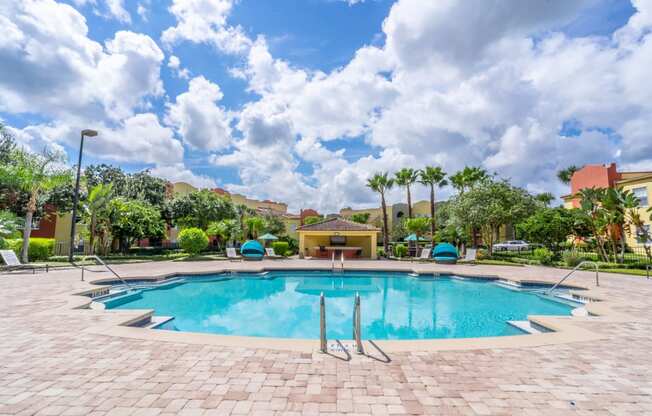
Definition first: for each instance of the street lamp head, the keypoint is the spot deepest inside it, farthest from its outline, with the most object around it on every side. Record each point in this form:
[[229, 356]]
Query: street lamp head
[[89, 133]]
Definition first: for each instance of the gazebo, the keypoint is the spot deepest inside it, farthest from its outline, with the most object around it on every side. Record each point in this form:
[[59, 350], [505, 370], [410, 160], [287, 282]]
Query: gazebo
[[338, 236]]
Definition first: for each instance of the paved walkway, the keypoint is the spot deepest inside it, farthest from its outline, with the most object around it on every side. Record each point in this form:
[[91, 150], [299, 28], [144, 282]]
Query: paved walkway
[[51, 364]]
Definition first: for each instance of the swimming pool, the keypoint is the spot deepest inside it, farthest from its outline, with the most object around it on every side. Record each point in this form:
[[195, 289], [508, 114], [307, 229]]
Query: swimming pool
[[285, 304]]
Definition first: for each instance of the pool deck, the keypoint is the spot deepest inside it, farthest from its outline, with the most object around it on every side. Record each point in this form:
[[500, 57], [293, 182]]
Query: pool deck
[[57, 358]]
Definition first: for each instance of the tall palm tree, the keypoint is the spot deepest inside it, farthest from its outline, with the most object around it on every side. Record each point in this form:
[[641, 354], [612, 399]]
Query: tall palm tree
[[565, 175], [432, 176], [467, 177], [381, 183], [406, 177], [95, 206]]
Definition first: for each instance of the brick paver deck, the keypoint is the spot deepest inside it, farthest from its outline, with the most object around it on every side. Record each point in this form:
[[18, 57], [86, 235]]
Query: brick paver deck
[[51, 364]]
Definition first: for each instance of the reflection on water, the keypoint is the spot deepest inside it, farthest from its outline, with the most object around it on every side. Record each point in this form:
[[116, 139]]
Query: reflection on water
[[286, 304]]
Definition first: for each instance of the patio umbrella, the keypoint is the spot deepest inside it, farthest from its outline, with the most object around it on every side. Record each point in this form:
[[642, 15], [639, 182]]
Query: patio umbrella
[[268, 237], [413, 237]]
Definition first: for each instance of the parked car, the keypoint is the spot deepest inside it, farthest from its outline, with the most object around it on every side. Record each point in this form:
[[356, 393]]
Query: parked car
[[512, 245]]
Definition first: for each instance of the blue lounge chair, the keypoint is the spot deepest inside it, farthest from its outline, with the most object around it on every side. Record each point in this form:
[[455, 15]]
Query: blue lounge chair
[[445, 253], [252, 250]]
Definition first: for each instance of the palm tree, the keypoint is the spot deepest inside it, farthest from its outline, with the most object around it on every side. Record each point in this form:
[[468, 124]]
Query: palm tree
[[432, 176], [467, 177], [254, 225], [96, 204], [545, 198], [619, 206], [590, 204], [565, 175], [381, 183], [406, 177], [36, 175]]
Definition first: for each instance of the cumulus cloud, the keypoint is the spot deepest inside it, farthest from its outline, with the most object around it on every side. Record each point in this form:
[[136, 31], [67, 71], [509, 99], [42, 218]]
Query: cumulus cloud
[[180, 173], [50, 66], [200, 121], [174, 63], [205, 21]]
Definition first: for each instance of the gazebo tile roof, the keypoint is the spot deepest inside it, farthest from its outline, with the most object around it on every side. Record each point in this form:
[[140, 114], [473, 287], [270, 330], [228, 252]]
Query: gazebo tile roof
[[337, 224]]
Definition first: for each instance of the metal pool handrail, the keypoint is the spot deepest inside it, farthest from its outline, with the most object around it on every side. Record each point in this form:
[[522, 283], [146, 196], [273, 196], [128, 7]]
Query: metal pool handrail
[[99, 260], [322, 323], [576, 268], [357, 332]]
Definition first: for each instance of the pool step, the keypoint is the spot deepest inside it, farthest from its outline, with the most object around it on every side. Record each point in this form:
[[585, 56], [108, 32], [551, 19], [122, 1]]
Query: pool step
[[525, 326]]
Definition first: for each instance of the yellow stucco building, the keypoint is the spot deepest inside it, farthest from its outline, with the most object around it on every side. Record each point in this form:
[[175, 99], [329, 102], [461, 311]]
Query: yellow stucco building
[[337, 235], [641, 186]]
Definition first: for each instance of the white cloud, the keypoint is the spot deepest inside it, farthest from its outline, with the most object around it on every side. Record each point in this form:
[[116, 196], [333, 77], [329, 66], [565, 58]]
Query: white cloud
[[200, 121], [204, 21], [179, 173], [117, 10], [174, 63], [52, 68]]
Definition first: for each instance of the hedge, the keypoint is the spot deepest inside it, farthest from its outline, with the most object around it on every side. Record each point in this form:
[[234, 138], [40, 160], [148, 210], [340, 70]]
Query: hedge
[[281, 248], [193, 240], [40, 249]]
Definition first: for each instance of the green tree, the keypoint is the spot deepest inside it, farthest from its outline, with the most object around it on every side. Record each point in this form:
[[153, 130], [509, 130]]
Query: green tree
[[406, 177], [565, 175], [619, 207], [548, 226], [193, 240], [148, 188], [490, 204], [96, 209], [273, 224], [545, 198], [7, 145], [380, 183], [312, 219], [8, 225], [594, 216], [254, 226], [418, 226], [360, 217], [200, 208], [36, 175], [106, 175], [133, 220], [467, 178], [432, 176], [223, 230]]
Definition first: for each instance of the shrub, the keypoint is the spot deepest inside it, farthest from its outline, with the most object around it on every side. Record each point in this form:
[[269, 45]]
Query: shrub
[[400, 250], [572, 258], [282, 248], [380, 252], [39, 248], [543, 255], [193, 240]]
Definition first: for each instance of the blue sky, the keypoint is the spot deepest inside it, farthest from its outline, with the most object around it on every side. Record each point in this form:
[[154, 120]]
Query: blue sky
[[297, 98]]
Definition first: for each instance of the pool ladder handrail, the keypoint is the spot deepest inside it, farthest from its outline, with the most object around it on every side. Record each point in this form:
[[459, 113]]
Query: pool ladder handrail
[[106, 266], [322, 324], [357, 331], [333, 261], [576, 268]]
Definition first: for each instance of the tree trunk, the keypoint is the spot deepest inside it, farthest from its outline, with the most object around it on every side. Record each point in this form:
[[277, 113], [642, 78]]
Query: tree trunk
[[409, 202], [432, 213], [385, 231], [91, 237], [27, 230]]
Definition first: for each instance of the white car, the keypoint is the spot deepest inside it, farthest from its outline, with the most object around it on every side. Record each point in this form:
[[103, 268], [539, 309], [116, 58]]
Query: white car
[[512, 245]]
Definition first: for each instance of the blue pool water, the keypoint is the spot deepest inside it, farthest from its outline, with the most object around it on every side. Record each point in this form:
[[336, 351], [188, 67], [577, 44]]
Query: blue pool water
[[285, 304]]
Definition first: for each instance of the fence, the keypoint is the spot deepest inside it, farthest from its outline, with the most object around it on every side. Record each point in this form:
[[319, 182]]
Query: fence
[[633, 255]]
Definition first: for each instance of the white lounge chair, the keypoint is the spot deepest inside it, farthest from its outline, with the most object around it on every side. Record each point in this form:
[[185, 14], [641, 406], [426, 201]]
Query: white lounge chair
[[232, 255], [271, 254], [471, 254], [12, 263], [426, 254]]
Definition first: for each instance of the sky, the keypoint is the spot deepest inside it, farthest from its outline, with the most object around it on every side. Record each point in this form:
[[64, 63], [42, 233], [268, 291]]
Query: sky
[[302, 101]]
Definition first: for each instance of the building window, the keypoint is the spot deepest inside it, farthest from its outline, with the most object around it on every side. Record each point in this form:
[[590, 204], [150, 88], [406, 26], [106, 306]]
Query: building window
[[641, 194], [643, 234]]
